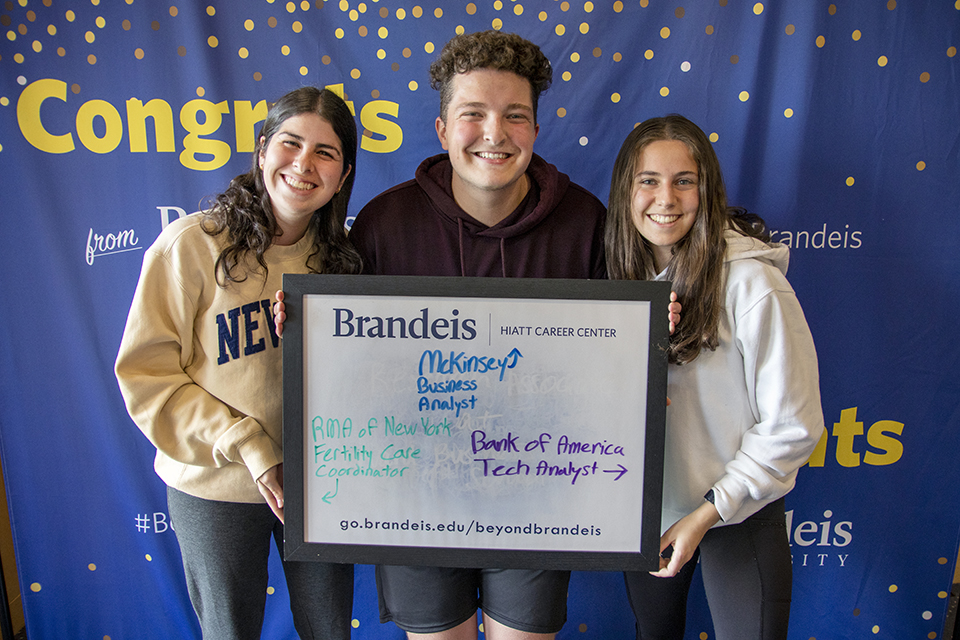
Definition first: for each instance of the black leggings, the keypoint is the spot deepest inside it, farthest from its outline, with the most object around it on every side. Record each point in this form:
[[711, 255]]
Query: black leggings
[[747, 575]]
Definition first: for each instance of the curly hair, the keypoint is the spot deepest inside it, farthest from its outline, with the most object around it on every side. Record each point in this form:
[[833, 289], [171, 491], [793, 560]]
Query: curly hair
[[490, 50], [243, 211], [696, 268]]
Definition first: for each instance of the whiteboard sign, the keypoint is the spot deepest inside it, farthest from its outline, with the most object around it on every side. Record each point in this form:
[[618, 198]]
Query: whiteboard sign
[[474, 421]]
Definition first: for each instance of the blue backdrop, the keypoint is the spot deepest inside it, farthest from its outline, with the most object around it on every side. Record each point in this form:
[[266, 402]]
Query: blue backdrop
[[839, 123]]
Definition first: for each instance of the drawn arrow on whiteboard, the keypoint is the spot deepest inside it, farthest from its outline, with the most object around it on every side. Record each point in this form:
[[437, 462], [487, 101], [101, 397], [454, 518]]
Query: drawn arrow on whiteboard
[[622, 470], [328, 495]]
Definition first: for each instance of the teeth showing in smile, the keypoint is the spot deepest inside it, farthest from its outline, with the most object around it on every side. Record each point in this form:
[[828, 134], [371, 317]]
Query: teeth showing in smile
[[660, 218], [489, 155], [296, 184]]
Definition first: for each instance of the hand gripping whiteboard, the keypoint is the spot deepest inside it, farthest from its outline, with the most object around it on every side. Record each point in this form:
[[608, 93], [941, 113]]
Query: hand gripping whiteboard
[[474, 422]]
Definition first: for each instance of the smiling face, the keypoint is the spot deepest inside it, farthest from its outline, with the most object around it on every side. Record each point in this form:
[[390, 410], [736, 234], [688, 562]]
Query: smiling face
[[302, 168], [489, 130], [666, 196]]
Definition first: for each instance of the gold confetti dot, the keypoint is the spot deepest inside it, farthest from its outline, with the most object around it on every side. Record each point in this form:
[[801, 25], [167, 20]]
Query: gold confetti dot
[[395, 67], [856, 35], [381, 54], [850, 182], [582, 628], [882, 61], [564, 6], [354, 15], [618, 6], [709, 30], [584, 28], [664, 91], [497, 5], [617, 57], [518, 10], [790, 30], [270, 591], [355, 74], [679, 12], [615, 98], [891, 5], [61, 51], [497, 24], [75, 88], [155, 25], [648, 54], [758, 8], [428, 47], [412, 85], [211, 11], [893, 587], [101, 23], [37, 47], [832, 9], [383, 33], [70, 16], [417, 12], [401, 14], [566, 76], [924, 77], [665, 33], [291, 7], [201, 92], [18, 58], [941, 561], [89, 37], [714, 137], [952, 51], [471, 9], [574, 57], [52, 30], [821, 41], [173, 12], [271, 22], [35, 587], [344, 5], [560, 30], [375, 94], [561, 112], [876, 629], [304, 71], [734, 59], [788, 113], [438, 12], [285, 50], [325, 60], [297, 26], [92, 567], [11, 36], [703, 635], [125, 24], [543, 16], [257, 76], [588, 7], [91, 59], [355, 623], [744, 96], [213, 42], [243, 53], [942, 594], [338, 33], [459, 30]]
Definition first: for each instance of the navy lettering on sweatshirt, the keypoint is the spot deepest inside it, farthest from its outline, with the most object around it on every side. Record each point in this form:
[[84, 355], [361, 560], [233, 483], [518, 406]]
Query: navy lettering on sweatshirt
[[231, 336]]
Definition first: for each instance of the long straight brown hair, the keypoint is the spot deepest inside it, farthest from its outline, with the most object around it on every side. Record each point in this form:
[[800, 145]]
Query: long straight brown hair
[[696, 266]]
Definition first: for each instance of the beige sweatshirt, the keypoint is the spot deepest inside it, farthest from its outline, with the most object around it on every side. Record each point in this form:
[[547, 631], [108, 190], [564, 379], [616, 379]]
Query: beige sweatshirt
[[199, 366]]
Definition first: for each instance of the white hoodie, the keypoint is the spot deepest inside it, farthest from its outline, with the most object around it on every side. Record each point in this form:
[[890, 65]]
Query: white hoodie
[[745, 417]]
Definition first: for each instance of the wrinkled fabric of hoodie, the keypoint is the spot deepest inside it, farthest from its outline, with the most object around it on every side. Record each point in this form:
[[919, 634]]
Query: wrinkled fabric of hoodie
[[417, 228], [746, 417]]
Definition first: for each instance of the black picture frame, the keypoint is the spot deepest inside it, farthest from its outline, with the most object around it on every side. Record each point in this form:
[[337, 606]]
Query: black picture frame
[[298, 288]]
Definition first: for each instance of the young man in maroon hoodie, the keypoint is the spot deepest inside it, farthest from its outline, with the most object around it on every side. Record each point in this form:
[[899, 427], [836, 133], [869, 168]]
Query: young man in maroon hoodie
[[488, 207]]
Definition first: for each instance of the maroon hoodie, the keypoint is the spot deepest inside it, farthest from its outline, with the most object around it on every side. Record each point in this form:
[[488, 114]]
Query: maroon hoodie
[[416, 228]]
